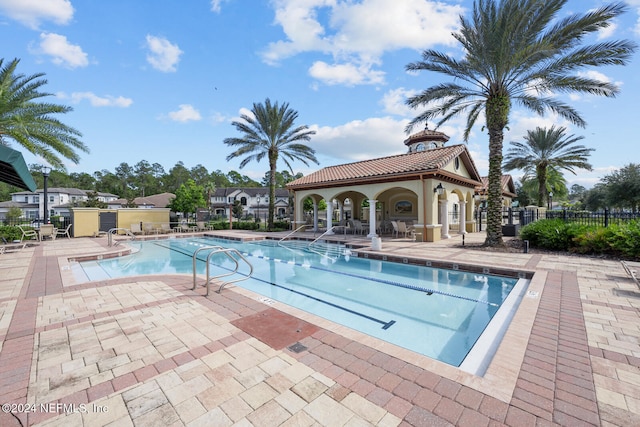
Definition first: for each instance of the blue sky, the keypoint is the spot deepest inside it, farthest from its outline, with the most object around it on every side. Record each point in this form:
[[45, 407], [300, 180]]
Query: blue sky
[[161, 80]]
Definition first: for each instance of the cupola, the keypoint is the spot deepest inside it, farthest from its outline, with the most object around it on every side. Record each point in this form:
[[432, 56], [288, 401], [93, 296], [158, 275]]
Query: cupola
[[425, 140]]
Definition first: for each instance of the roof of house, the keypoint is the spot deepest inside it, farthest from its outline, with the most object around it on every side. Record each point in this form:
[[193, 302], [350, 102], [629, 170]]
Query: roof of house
[[65, 190], [251, 191], [161, 200], [398, 167], [508, 187]]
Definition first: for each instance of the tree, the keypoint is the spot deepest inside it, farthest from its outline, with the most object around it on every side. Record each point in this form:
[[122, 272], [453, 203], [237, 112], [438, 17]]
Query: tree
[[189, 197], [269, 132], [31, 123], [544, 149], [623, 187], [517, 51], [93, 201]]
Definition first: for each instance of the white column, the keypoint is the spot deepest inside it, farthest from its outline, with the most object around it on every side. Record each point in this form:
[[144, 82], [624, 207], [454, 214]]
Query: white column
[[462, 226], [315, 216], [372, 218], [340, 210], [444, 214], [329, 216]]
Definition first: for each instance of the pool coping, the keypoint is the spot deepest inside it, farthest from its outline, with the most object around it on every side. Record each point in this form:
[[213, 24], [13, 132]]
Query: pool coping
[[499, 376]]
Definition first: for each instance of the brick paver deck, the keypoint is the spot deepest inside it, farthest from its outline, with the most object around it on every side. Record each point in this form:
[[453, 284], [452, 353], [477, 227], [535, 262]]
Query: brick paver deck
[[149, 351]]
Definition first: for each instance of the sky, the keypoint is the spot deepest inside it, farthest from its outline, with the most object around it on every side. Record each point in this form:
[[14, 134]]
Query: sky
[[162, 80]]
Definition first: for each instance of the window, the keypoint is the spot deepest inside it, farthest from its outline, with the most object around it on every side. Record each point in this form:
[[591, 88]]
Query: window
[[51, 199], [456, 163], [26, 199], [36, 199], [243, 201], [420, 147]]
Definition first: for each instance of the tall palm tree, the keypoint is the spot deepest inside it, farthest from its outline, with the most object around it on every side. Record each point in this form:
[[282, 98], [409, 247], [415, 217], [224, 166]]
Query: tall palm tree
[[517, 51], [270, 133], [30, 123], [544, 150]]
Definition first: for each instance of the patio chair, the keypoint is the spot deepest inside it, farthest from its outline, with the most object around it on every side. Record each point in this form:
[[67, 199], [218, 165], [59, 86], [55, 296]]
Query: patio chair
[[202, 226], [64, 231], [135, 228], [11, 247], [48, 230], [633, 274], [28, 234], [165, 227]]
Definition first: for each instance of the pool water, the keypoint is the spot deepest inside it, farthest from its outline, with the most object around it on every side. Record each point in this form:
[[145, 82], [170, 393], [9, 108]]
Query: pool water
[[436, 312]]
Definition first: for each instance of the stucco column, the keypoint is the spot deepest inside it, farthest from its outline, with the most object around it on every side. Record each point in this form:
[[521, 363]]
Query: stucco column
[[340, 211], [444, 214], [462, 220], [372, 218], [315, 215], [329, 216]]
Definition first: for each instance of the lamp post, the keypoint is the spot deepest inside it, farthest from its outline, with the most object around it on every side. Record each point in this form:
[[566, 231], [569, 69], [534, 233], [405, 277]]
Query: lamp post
[[550, 200], [258, 210], [45, 175]]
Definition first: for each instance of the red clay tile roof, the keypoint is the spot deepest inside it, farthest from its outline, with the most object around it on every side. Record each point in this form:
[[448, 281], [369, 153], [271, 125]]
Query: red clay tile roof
[[508, 187], [397, 166]]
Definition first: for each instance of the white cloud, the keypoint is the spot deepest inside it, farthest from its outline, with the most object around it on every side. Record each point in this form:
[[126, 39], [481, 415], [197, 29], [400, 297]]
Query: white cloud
[[216, 5], [62, 51], [163, 55], [360, 139], [345, 74], [607, 32], [186, 113], [32, 12], [356, 34], [99, 101], [394, 102]]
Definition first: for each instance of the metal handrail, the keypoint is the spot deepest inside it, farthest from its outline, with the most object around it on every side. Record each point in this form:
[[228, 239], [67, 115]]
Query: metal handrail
[[320, 236], [299, 228], [228, 252], [112, 231]]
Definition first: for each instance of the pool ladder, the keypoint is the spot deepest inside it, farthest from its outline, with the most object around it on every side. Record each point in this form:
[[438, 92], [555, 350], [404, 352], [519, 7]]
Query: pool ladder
[[233, 255], [113, 231]]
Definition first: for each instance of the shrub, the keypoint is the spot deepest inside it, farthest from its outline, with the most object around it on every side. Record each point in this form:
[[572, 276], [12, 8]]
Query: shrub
[[547, 234], [10, 232], [593, 240], [625, 239]]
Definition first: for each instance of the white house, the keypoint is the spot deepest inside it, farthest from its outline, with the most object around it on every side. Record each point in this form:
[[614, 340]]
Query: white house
[[254, 201], [58, 203]]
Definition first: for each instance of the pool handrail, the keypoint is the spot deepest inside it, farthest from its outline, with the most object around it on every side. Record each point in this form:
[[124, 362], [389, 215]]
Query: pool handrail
[[243, 277], [228, 252], [214, 249], [112, 231], [299, 228]]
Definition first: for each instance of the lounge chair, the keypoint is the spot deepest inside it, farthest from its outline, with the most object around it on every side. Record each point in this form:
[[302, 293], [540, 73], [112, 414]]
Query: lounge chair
[[64, 232], [11, 247], [48, 230], [633, 274], [165, 227], [135, 228], [30, 234], [202, 226]]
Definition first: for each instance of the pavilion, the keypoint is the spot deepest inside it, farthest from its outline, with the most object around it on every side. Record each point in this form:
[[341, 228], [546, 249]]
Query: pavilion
[[432, 186]]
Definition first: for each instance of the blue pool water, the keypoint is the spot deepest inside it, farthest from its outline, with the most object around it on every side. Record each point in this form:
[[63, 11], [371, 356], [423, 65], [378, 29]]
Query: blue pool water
[[436, 312]]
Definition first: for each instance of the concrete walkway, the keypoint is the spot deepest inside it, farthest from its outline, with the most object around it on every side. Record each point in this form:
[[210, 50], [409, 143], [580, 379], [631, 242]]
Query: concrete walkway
[[148, 351]]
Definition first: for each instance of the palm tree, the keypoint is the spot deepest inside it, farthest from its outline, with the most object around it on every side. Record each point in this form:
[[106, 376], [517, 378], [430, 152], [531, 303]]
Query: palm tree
[[544, 150], [517, 51], [270, 133], [30, 123]]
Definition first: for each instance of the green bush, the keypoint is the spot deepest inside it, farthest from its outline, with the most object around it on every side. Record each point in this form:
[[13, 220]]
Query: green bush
[[10, 232], [554, 234]]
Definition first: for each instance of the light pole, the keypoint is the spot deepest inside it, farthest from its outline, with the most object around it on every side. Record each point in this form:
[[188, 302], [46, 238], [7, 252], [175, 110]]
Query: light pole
[[550, 200], [258, 211], [45, 175]]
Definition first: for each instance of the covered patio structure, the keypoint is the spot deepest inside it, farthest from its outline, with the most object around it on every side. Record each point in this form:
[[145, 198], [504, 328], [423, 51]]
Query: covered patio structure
[[432, 189]]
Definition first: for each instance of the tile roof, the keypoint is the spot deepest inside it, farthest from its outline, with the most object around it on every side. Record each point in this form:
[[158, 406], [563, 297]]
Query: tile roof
[[409, 164], [508, 187]]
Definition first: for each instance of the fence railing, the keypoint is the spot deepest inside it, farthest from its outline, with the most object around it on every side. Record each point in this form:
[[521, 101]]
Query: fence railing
[[601, 219]]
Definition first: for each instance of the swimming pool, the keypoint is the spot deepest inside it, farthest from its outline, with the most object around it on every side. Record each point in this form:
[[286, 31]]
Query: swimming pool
[[436, 312]]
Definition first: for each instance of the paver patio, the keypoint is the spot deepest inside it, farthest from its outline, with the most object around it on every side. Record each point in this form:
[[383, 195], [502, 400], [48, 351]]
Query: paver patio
[[148, 351]]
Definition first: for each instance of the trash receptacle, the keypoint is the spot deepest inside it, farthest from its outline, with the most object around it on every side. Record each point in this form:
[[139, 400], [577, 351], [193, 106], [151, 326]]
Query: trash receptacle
[[376, 243]]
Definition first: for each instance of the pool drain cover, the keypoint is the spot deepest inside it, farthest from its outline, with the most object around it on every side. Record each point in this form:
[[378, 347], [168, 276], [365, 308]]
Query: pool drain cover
[[297, 348]]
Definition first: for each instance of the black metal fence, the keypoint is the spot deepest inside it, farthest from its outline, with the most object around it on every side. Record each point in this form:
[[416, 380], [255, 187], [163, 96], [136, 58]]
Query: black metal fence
[[600, 219]]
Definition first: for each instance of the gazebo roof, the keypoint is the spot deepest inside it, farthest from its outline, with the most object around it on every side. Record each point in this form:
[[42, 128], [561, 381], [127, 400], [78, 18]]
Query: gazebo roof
[[392, 168]]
